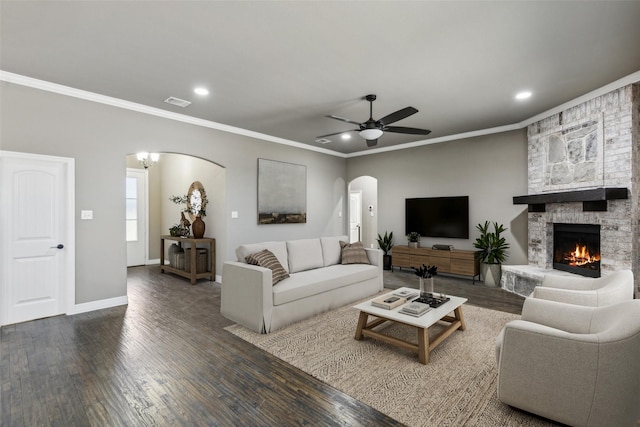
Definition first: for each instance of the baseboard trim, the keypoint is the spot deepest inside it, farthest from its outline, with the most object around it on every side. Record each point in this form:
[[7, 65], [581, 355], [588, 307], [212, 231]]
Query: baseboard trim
[[98, 305]]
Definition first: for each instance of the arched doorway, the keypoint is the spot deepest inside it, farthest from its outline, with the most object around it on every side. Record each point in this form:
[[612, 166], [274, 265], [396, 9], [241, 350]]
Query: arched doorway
[[171, 176], [363, 210]]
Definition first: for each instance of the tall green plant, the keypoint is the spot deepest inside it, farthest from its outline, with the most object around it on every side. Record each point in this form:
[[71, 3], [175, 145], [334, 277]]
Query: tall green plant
[[386, 242], [493, 247]]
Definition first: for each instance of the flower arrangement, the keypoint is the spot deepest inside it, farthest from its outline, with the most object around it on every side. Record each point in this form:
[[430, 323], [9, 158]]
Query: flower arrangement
[[426, 271], [195, 207]]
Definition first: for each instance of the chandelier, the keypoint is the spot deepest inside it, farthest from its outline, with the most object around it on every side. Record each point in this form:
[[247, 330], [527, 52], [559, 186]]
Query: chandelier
[[148, 159]]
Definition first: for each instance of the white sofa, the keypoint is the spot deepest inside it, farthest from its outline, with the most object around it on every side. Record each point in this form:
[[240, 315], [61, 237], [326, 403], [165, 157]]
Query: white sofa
[[317, 282]]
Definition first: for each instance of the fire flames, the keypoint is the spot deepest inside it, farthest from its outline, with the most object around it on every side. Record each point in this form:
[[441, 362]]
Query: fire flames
[[580, 257]]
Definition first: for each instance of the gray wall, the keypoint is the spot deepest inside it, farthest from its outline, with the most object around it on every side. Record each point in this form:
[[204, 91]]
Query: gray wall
[[489, 169], [99, 137]]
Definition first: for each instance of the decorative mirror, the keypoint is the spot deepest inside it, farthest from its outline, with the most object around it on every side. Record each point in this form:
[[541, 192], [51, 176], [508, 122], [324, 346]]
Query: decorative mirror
[[196, 200]]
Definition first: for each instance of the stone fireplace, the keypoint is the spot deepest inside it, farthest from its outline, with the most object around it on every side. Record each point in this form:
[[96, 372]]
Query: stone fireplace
[[583, 173]]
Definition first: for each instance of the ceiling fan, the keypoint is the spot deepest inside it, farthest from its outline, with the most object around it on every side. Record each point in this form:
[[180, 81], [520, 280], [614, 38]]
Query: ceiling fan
[[371, 130]]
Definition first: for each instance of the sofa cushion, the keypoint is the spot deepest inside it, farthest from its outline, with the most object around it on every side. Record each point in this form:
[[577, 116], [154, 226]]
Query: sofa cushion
[[331, 249], [313, 282], [304, 254], [353, 253], [265, 258], [279, 249]]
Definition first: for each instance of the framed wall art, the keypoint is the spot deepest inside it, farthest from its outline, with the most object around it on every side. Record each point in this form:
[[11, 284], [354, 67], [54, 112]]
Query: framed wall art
[[282, 192]]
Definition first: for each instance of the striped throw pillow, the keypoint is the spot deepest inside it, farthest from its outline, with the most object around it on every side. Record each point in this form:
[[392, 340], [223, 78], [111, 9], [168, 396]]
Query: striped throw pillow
[[353, 253], [267, 259]]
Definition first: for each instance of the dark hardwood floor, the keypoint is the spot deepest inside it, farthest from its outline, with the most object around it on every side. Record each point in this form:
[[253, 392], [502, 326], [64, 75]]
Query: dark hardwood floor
[[165, 359]]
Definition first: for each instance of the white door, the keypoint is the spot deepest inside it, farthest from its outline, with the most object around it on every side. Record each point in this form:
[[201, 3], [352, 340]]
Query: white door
[[355, 216], [136, 217], [37, 222]]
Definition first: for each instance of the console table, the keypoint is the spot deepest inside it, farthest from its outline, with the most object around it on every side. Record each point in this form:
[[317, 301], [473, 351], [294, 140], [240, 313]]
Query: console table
[[454, 261], [192, 273]]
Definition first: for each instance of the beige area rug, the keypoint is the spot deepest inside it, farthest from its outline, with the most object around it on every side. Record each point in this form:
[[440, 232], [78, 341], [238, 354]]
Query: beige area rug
[[456, 388]]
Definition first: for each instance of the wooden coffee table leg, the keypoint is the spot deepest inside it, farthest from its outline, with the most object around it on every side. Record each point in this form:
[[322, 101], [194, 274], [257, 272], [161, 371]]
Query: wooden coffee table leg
[[362, 322], [460, 317], [423, 345]]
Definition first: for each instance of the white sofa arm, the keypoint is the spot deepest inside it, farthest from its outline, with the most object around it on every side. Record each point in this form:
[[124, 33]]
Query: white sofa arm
[[375, 258], [247, 295]]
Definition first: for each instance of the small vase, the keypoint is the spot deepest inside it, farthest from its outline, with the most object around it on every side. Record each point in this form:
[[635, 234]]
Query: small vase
[[426, 285], [198, 227]]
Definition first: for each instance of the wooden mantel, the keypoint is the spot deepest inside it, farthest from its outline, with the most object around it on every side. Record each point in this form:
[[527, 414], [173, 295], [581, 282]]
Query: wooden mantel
[[594, 199]]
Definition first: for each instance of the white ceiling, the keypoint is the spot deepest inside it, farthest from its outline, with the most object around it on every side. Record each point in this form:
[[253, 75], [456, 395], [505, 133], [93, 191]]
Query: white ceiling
[[279, 67]]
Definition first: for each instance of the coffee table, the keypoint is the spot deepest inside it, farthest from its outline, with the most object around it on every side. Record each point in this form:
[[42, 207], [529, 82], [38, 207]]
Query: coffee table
[[425, 343]]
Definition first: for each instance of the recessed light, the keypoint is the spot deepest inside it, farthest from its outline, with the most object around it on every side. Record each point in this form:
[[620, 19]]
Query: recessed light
[[201, 91], [523, 95], [346, 136]]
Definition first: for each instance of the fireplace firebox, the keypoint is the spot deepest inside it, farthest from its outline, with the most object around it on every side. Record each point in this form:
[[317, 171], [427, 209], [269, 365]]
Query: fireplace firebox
[[576, 248]]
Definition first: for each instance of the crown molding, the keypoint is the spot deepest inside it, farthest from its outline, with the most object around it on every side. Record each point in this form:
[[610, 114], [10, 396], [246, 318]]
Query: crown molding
[[140, 108], [624, 81], [128, 105], [464, 135]]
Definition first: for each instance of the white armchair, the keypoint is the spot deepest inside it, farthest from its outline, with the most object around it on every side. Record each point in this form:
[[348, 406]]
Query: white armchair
[[606, 290], [573, 364]]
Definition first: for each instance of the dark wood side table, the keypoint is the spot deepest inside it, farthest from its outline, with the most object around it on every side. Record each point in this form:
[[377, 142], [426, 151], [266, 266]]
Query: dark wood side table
[[191, 274]]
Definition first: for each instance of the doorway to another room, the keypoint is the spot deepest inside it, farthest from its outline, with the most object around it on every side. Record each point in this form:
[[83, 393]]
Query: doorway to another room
[[136, 217], [151, 202], [37, 266], [363, 211]]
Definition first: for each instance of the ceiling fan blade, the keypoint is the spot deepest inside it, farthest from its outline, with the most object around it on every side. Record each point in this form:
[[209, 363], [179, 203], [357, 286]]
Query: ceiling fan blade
[[372, 142], [337, 133], [342, 119], [398, 115], [402, 129]]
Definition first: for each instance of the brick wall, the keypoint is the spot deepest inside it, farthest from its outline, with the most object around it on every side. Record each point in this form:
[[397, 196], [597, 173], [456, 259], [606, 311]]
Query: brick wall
[[595, 144]]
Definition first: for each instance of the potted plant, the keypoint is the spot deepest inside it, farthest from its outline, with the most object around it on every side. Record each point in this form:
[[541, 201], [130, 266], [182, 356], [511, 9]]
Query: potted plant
[[492, 253], [178, 230], [386, 243], [414, 239]]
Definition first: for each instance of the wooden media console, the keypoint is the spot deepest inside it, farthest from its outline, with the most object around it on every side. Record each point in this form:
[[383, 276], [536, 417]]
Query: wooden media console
[[461, 262]]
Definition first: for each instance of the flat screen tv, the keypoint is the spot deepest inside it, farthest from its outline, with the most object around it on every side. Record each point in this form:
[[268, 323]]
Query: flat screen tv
[[438, 216]]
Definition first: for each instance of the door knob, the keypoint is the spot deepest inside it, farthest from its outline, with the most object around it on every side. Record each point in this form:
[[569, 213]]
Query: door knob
[[60, 246]]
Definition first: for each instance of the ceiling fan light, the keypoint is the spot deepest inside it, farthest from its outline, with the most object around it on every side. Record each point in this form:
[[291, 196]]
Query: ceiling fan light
[[371, 133]]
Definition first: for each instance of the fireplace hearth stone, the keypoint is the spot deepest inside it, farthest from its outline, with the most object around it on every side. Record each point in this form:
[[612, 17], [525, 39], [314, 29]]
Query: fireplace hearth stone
[[521, 279]]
